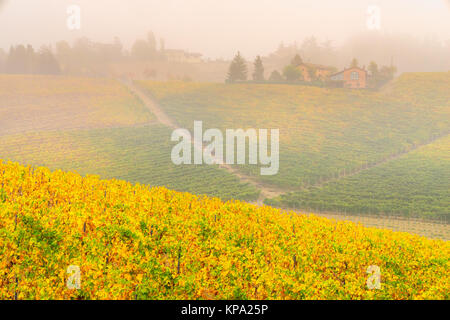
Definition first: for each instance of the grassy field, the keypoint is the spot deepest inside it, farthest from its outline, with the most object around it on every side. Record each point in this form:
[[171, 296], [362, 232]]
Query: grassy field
[[37, 103], [135, 242], [326, 133]]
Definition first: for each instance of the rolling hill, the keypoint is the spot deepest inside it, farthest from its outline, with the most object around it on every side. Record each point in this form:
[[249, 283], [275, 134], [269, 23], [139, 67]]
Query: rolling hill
[[31, 103], [355, 152], [135, 242], [328, 134], [415, 184], [97, 126]]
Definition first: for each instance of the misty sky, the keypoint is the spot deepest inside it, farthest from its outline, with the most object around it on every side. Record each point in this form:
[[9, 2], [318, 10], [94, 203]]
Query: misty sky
[[217, 28]]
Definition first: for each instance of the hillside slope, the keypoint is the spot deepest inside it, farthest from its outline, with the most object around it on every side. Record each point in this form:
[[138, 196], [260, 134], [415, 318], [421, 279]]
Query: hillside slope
[[97, 126], [330, 134], [135, 154], [31, 103], [136, 242], [323, 132], [416, 184]]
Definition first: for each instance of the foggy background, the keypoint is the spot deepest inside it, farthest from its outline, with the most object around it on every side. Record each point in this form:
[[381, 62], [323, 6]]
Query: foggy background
[[414, 34]]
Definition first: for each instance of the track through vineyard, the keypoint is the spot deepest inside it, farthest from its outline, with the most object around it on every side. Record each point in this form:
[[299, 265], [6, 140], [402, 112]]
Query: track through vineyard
[[163, 118], [268, 191], [367, 166], [429, 229]]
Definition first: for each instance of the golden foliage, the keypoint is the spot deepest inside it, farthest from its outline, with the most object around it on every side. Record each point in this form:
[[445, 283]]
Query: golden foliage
[[135, 242]]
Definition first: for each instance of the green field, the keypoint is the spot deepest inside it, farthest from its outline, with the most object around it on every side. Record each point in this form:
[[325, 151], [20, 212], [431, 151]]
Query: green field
[[327, 134], [416, 184], [341, 150], [135, 154], [97, 126], [31, 103], [322, 131]]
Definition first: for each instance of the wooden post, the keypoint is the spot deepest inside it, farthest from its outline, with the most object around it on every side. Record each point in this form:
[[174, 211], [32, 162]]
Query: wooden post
[[179, 258]]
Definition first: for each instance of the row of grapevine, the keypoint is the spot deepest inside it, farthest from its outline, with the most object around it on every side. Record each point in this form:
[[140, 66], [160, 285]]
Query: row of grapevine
[[134, 242]]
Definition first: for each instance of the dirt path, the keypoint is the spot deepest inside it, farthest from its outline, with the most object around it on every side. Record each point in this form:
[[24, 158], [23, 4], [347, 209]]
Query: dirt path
[[150, 104], [164, 119], [380, 162], [424, 228], [266, 191]]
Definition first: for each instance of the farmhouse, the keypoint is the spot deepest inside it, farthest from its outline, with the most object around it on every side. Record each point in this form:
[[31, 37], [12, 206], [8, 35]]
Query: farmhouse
[[353, 77]]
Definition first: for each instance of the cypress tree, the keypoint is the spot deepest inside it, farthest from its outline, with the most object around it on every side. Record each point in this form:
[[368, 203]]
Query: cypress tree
[[258, 73], [297, 61], [238, 69]]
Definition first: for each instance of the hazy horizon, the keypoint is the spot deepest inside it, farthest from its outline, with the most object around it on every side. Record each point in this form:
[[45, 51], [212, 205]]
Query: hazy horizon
[[216, 28]]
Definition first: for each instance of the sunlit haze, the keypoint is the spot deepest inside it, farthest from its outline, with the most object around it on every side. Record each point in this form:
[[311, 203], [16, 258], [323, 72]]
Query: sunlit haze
[[219, 28]]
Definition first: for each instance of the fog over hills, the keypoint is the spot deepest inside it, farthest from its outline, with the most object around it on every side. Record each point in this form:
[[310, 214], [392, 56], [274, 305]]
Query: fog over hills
[[218, 29]]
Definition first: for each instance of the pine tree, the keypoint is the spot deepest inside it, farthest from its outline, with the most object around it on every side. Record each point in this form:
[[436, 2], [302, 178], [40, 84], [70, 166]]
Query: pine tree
[[276, 76], [46, 62], [238, 69], [19, 60], [258, 73], [292, 73], [373, 68], [151, 41], [297, 61], [354, 63]]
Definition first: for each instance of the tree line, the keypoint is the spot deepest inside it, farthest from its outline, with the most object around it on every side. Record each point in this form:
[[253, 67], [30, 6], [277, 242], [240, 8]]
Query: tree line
[[23, 59], [82, 57], [291, 73]]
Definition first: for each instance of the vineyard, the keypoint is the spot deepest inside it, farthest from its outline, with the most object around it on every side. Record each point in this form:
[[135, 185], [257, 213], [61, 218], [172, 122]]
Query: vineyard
[[416, 184], [326, 134], [40, 103], [135, 154], [362, 154], [97, 126], [135, 242]]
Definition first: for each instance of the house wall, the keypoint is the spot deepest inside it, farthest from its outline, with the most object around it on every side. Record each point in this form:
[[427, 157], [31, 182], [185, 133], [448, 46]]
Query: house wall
[[361, 82], [323, 74]]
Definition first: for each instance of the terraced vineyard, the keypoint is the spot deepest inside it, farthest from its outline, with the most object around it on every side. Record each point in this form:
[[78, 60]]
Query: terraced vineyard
[[325, 134], [38, 103]]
